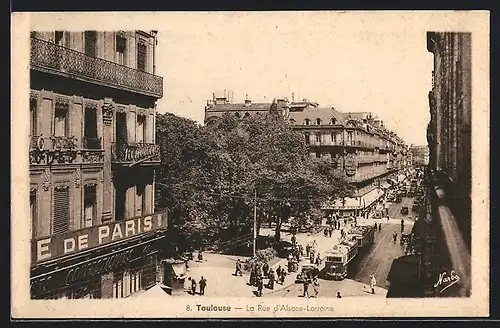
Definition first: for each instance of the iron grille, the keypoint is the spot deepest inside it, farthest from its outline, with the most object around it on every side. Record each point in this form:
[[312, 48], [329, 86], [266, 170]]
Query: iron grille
[[49, 56]]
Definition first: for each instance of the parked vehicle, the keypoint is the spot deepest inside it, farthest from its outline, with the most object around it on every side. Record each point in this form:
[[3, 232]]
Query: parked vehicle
[[308, 273], [405, 210]]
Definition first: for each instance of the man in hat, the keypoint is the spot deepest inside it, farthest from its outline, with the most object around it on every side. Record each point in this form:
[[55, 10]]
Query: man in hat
[[203, 284]]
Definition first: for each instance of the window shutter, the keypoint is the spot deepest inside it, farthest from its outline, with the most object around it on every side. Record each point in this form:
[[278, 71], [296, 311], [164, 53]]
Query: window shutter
[[61, 210], [141, 56], [90, 43]]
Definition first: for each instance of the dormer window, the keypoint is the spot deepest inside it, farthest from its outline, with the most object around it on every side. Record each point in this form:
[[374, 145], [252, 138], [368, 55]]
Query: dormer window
[[292, 121], [333, 121], [307, 121], [318, 121]]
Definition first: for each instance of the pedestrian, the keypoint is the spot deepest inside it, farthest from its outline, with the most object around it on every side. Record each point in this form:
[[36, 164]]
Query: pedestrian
[[376, 226], [238, 268], [272, 278], [330, 233], [342, 233], [200, 256], [311, 258], [395, 236], [265, 269], [373, 282], [308, 249], [380, 227], [318, 260], [306, 288], [325, 232], [294, 239], [301, 250], [345, 221], [297, 256], [315, 286], [193, 286], [338, 295], [203, 284], [260, 286], [282, 276], [278, 274]]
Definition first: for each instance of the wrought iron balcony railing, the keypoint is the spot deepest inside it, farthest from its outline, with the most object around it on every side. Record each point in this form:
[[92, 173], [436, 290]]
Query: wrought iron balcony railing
[[49, 57], [92, 143], [135, 153]]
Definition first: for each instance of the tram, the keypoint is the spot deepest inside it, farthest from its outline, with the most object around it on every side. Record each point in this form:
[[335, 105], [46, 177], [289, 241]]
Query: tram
[[337, 259]]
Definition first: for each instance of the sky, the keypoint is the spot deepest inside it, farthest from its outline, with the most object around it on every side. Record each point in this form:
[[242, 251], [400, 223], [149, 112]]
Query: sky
[[375, 62]]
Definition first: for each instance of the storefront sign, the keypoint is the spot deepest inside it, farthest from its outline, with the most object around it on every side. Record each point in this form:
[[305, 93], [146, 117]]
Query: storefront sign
[[350, 164], [46, 248], [88, 269]]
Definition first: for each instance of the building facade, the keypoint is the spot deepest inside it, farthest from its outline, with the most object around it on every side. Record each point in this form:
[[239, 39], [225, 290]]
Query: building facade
[[449, 175], [92, 153], [362, 149], [419, 155]]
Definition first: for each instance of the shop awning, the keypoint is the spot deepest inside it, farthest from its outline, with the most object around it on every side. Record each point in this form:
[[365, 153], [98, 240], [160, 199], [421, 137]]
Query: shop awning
[[370, 197], [385, 185], [393, 181], [348, 204], [154, 292], [179, 269], [404, 270]]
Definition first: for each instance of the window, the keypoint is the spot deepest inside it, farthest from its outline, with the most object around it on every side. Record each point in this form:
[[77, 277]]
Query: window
[[318, 138], [91, 140], [308, 141], [58, 39], [33, 120], [90, 43], [141, 128], [140, 200], [318, 154], [349, 136], [61, 210], [89, 205], [334, 138], [141, 56], [307, 121], [61, 122], [318, 121], [118, 285], [333, 121], [33, 215], [33, 34], [237, 114], [121, 49], [247, 114]]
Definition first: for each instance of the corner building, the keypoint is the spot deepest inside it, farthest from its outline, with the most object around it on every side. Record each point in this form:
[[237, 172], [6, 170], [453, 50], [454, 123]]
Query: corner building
[[92, 153]]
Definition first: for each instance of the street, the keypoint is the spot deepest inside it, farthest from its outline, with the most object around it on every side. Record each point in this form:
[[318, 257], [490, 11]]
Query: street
[[218, 269]]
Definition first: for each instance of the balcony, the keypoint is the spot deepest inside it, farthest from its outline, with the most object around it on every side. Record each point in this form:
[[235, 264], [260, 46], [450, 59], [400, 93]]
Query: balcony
[[64, 150], [51, 58], [137, 153]]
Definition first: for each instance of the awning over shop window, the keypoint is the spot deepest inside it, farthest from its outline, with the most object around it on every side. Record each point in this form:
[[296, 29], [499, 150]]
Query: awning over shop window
[[385, 185], [179, 269], [348, 204], [155, 292], [370, 197]]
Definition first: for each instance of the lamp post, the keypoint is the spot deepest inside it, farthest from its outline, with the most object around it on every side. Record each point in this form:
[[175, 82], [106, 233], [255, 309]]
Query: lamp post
[[255, 223]]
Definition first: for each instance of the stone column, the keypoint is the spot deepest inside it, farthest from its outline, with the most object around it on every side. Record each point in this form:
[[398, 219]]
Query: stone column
[[107, 117]]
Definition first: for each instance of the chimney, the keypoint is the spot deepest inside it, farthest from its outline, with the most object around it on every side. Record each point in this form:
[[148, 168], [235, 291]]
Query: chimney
[[293, 96], [248, 102], [213, 97]]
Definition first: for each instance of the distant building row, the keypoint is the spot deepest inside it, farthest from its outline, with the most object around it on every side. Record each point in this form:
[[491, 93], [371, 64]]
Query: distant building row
[[361, 148]]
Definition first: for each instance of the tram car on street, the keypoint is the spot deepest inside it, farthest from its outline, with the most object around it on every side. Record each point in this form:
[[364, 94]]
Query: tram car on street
[[337, 259], [364, 235]]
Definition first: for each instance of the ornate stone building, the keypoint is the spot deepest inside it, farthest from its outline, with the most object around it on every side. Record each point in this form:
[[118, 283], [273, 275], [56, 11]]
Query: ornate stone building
[[92, 158], [362, 149]]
